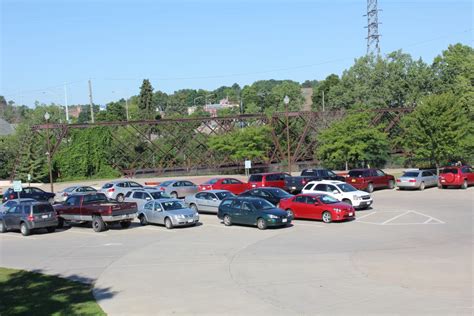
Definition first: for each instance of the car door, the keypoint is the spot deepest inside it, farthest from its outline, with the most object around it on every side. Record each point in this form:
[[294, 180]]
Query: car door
[[71, 208], [139, 198], [213, 202], [428, 178], [469, 174], [200, 201], [9, 215], [189, 188], [331, 190], [237, 186], [159, 213], [299, 206], [248, 214], [236, 208], [314, 208]]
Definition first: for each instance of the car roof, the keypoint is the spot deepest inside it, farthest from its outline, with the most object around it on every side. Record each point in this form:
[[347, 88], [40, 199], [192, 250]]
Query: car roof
[[168, 200], [327, 182], [213, 191], [34, 202], [361, 169], [311, 194]]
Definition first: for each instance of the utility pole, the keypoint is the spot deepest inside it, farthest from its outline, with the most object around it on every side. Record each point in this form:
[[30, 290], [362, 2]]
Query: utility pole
[[373, 35], [323, 100], [90, 101], [286, 100], [65, 104]]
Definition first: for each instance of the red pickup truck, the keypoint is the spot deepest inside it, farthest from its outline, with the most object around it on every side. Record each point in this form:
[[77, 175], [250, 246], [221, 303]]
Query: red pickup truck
[[370, 179], [95, 208]]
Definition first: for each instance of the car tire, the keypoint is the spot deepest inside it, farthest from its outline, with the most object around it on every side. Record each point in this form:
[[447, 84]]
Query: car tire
[[168, 223], [464, 185], [143, 220], [98, 224], [120, 198], [51, 229], [193, 207], [261, 224], [347, 201], [422, 186], [370, 188], [227, 220], [3, 228], [25, 231], [174, 195], [327, 217], [391, 184], [125, 224], [290, 213]]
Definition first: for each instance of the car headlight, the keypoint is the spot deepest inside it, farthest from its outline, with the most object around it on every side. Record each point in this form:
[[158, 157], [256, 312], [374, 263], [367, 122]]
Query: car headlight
[[272, 216], [180, 216], [337, 210], [355, 197]]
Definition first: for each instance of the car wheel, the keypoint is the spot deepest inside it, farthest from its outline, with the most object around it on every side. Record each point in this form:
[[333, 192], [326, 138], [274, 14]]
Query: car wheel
[[464, 185], [347, 201], [125, 224], [51, 201], [290, 213], [391, 184], [3, 228], [60, 222], [193, 207], [174, 195], [370, 188], [51, 229], [168, 223], [25, 231], [261, 224], [327, 218], [227, 220], [422, 186], [98, 224], [143, 220], [120, 198]]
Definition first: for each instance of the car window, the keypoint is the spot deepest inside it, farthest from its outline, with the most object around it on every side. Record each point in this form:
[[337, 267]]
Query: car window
[[426, 174], [273, 177], [135, 185], [450, 170], [309, 172], [225, 181], [27, 190], [356, 173], [320, 187], [107, 186], [300, 199], [177, 184], [165, 184], [138, 195], [121, 185], [172, 205], [158, 195], [261, 204], [256, 178], [246, 206], [201, 195], [265, 194], [370, 173], [211, 196], [237, 204], [279, 193], [226, 203], [223, 195], [157, 207], [95, 198], [311, 200], [42, 208], [234, 181], [70, 189], [344, 187], [212, 181], [412, 174], [89, 189], [128, 194], [331, 173], [309, 186], [73, 200], [149, 206], [9, 204], [379, 173], [188, 183], [326, 199], [331, 188], [36, 190]]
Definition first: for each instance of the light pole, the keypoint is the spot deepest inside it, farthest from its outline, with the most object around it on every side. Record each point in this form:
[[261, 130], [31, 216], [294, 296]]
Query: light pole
[[47, 117], [286, 100]]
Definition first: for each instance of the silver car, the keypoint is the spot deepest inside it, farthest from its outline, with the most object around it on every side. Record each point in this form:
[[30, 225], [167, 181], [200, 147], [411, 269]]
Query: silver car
[[168, 212], [178, 188], [417, 179], [12, 203], [116, 190], [143, 196], [207, 201], [61, 196]]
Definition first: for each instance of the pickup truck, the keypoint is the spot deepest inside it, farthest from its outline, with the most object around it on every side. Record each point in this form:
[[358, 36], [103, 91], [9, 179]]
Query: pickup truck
[[296, 184], [96, 208]]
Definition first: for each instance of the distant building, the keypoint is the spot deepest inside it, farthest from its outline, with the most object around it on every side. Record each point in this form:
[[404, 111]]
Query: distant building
[[75, 110], [5, 128], [212, 109]]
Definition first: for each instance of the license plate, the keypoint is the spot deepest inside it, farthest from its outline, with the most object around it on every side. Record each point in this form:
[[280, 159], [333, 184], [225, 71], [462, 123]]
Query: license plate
[[190, 220], [350, 214], [44, 216], [284, 220], [353, 180]]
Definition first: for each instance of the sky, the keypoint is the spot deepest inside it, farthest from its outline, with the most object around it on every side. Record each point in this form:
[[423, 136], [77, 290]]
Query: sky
[[52, 47]]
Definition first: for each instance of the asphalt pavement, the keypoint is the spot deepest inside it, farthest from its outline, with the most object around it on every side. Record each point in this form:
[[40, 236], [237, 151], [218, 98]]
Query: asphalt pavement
[[410, 254]]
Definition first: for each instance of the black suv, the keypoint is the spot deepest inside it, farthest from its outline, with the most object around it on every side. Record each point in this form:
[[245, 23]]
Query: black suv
[[296, 184], [30, 193]]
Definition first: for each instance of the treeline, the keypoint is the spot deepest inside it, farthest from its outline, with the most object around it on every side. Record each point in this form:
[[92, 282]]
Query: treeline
[[439, 130]]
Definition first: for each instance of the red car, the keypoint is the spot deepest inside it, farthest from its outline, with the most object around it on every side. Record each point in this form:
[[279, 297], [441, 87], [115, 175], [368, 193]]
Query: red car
[[370, 179], [456, 176], [230, 184], [274, 179], [317, 206]]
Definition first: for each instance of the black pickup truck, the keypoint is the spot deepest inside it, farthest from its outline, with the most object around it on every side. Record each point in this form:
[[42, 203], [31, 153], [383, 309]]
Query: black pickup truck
[[296, 184]]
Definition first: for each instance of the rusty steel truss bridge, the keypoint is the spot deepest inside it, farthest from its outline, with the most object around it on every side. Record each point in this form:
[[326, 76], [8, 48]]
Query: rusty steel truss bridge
[[175, 145]]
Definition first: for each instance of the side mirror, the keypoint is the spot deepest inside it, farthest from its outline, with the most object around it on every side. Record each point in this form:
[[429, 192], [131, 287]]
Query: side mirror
[[335, 192]]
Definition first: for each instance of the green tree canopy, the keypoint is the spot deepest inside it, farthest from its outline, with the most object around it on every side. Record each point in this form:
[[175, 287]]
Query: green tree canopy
[[145, 103]]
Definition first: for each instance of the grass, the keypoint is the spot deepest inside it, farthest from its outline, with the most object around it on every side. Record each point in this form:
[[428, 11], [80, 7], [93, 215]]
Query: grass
[[31, 293]]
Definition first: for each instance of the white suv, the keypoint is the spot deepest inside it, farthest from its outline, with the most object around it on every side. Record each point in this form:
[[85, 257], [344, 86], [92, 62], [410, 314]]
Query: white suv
[[340, 190]]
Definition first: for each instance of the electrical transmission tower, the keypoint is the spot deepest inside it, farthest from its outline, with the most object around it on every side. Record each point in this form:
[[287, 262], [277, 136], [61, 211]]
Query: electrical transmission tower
[[372, 28]]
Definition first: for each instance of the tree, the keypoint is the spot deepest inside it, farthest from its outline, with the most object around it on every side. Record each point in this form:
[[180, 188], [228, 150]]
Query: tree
[[439, 130], [353, 142], [323, 86], [146, 100]]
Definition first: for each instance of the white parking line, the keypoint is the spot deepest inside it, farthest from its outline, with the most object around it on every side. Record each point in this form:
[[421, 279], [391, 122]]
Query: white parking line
[[430, 218], [394, 218]]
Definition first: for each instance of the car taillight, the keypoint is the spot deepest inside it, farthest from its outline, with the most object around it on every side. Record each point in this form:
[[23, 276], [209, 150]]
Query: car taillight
[[398, 180], [162, 189], [65, 194], [31, 217], [412, 180], [12, 196], [111, 190]]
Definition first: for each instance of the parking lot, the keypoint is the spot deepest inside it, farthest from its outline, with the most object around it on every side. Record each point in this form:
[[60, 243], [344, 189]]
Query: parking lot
[[410, 254]]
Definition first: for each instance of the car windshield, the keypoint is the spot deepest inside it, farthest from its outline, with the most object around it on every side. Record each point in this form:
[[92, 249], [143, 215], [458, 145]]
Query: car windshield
[[70, 189], [280, 193], [262, 204], [450, 170], [42, 208], [165, 184], [107, 185], [159, 195], [412, 174], [173, 205], [95, 198], [326, 199], [356, 173], [346, 187], [223, 195], [212, 181], [309, 172]]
